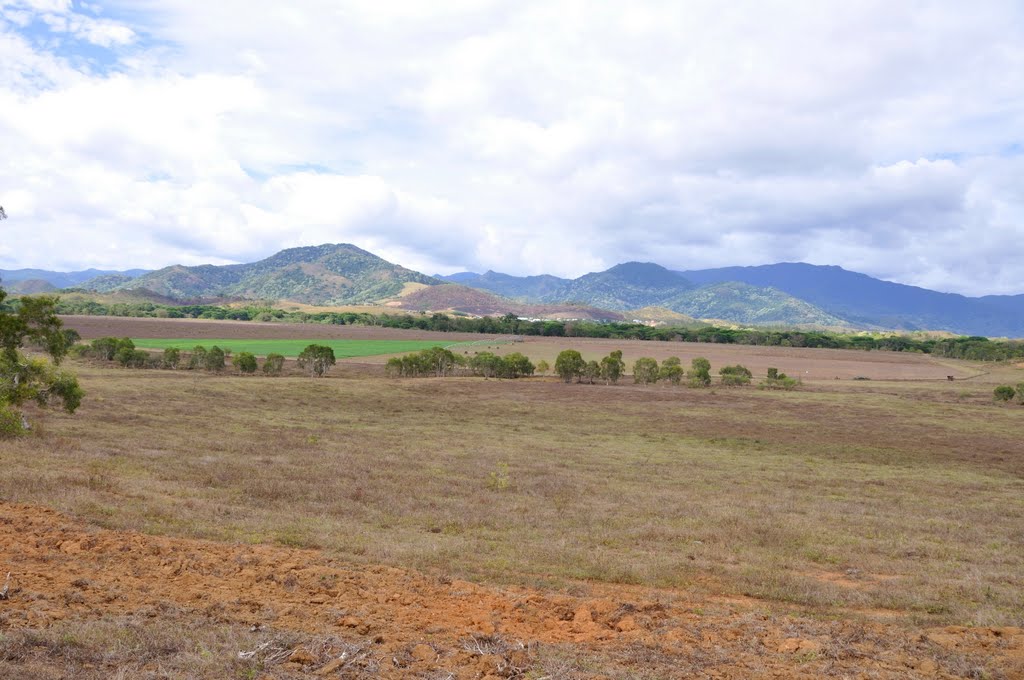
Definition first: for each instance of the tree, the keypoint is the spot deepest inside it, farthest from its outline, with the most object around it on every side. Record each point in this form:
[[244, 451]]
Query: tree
[[543, 367], [645, 371], [699, 374], [569, 364], [214, 360], [487, 364], [671, 370], [273, 364], [591, 372], [516, 365], [24, 379], [244, 362], [612, 367], [318, 359]]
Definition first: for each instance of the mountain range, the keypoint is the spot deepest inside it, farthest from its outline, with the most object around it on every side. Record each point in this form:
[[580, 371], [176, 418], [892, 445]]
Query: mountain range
[[785, 294]]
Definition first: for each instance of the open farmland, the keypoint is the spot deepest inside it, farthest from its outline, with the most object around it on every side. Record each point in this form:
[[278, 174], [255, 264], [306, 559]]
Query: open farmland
[[343, 349], [620, 531]]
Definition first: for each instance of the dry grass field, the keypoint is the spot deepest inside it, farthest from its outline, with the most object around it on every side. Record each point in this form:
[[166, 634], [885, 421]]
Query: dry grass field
[[853, 516]]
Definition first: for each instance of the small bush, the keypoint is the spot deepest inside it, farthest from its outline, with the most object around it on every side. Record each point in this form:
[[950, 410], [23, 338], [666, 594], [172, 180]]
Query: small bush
[[214, 360], [1004, 393], [1020, 393], [172, 357], [245, 362], [699, 374], [735, 375], [10, 422], [273, 364]]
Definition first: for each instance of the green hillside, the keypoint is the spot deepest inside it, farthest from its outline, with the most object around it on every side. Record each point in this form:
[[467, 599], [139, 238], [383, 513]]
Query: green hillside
[[330, 274], [745, 304]]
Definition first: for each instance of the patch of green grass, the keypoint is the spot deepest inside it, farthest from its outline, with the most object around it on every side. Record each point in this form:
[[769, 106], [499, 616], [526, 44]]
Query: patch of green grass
[[292, 348]]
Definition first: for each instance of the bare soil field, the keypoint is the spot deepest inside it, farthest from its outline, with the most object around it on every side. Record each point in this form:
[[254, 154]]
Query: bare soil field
[[105, 603]]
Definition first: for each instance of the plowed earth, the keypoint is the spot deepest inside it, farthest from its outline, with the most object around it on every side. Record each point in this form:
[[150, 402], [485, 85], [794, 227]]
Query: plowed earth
[[391, 623]]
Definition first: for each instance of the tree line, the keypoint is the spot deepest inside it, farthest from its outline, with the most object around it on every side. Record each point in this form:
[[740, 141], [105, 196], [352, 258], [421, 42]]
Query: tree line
[[974, 348], [316, 359], [571, 366]]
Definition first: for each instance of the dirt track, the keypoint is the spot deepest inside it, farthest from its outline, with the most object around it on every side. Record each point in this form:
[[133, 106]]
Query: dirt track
[[415, 625]]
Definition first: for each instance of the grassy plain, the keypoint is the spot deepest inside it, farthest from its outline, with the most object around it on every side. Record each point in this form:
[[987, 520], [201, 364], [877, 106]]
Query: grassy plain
[[900, 499]]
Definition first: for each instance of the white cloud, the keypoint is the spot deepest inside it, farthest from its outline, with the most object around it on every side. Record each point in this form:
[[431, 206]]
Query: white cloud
[[529, 137]]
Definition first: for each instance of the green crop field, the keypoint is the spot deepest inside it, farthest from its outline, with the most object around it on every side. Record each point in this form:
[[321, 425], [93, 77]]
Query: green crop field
[[292, 348]]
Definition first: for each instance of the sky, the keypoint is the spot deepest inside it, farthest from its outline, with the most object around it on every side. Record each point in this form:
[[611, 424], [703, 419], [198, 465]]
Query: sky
[[549, 136]]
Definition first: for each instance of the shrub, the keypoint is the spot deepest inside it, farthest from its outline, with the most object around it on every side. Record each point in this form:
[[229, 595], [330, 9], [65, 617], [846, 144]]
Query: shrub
[[319, 359], [214, 360], [10, 422], [244, 362], [591, 372], [699, 374], [671, 370], [171, 358], [543, 367], [735, 375], [1020, 393], [197, 359], [107, 348], [1004, 393], [129, 357], [273, 364]]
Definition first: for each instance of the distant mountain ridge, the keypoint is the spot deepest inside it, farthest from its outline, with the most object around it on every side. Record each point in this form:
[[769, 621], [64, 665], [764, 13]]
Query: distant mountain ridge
[[317, 275], [866, 301], [62, 279], [635, 285], [783, 294]]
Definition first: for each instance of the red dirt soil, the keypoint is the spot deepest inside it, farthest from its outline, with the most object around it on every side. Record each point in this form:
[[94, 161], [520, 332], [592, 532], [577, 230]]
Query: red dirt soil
[[415, 625]]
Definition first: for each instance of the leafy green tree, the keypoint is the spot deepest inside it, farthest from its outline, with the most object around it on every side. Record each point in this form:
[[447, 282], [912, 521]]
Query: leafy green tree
[[569, 364], [671, 370], [612, 367], [273, 364], [487, 364], [244, 362], [214, 360], [645, 371], [735, 375], [24, 379], [319, 359], [699, 374], [1004, 393], [543, 367], [171, 358], [516, 365]]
